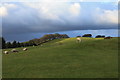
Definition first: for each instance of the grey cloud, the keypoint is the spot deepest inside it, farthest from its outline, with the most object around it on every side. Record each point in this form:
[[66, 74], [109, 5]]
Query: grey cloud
[[25, 20]]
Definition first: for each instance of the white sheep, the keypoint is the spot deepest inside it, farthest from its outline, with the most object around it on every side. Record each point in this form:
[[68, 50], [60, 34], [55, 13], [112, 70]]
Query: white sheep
[[78, 40], [6, 52], [25, 49], [14, 50]]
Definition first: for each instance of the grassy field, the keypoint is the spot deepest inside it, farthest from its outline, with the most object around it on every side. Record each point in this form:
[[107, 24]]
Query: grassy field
[[64, 58]]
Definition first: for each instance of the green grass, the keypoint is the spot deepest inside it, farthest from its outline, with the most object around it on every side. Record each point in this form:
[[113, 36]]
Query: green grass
[[64, 58]]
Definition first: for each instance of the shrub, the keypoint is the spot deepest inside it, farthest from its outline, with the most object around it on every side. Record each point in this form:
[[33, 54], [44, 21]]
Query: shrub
[[87, 35]]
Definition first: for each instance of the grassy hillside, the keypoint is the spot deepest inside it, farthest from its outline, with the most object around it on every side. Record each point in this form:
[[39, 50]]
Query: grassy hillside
[[64, 58]]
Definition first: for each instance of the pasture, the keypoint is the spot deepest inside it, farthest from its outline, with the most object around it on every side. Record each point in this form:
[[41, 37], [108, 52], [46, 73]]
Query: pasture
[[64, 58]]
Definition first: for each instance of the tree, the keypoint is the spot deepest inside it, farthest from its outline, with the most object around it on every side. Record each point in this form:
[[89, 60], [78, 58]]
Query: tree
[[44, 39], [64, 36], [56, 35], [18, 44], [8, 45], [78, 36], [100, 36], [3, 43], [87, 35], [14, 44], [0, 43], [103, 36], [31, 43], [22, 44]]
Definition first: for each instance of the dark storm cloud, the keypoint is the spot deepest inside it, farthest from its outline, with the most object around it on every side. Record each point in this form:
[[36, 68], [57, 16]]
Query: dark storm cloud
[[27, 18]]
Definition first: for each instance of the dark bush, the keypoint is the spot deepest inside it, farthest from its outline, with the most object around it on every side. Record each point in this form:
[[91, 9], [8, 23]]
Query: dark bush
[[87, 35], [78, 36], [100, 36]]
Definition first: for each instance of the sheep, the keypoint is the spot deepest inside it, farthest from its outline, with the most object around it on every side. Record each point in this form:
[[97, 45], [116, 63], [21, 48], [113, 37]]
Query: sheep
[[14, 50], [25, 49], [6, 52], [78, 40]]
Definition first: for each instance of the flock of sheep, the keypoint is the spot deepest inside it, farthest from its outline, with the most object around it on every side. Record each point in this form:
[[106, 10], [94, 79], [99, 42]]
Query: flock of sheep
[[15, 51], [25, 49]]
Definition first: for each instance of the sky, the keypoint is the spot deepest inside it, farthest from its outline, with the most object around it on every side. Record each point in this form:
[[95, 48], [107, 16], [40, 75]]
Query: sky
[[23, 21]]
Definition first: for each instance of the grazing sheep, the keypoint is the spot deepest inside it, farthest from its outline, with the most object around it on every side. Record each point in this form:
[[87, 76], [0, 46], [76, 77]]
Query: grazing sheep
[[25, 49], [6, 52], [78, 40], [14, 50]]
